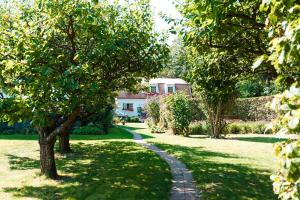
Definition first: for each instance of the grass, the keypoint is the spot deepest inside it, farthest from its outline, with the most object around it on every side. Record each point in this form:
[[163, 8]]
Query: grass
[[115, 133], [101, 167], [238, 167]]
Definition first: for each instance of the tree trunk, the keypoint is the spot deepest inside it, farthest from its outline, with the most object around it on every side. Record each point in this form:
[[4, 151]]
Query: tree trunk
[[64, 143], [48, 167], [64, 135]]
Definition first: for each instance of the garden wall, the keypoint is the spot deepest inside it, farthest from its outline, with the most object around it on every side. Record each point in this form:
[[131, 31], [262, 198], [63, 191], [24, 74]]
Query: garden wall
[[253, 109]]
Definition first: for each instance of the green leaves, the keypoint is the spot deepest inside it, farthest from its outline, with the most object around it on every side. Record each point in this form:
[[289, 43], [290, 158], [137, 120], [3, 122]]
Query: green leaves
[[57, 54]]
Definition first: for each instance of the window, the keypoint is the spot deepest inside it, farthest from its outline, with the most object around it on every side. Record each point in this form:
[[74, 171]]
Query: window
[[170, 89], [128, 106], [153, 89], [139, 110]]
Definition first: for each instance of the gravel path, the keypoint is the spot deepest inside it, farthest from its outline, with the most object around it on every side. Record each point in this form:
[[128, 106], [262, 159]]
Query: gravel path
[[183, 188]]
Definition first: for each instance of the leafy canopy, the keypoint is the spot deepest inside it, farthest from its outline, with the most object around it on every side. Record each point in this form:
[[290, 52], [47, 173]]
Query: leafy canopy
[[56, 55]]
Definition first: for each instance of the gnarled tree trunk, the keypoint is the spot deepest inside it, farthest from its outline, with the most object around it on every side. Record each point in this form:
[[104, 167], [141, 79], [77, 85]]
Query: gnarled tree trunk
[[47, 158], [64, 142]]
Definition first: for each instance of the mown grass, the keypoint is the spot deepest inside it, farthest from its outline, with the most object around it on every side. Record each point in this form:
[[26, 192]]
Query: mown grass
[[238, 167], [100, 167]]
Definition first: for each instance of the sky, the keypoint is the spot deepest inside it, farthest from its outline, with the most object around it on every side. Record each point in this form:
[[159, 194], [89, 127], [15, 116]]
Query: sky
[[166, 7]]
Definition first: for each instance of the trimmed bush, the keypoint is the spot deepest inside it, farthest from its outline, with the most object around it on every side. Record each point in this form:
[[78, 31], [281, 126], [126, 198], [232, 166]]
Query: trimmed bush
[[19, 128], [88, 130], [247, 128], [198, 128], [234, 129]]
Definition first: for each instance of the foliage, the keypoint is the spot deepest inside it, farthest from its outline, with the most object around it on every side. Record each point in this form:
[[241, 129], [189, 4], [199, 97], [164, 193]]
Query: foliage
[[284, 31], [153, 110], [283, 26], [178, 109], [88, 130], [18, 128], [177, 65], [287, 180], [258, 127], [255, 87], [223, 39], [199, 128], [214, 79], [252, 109]]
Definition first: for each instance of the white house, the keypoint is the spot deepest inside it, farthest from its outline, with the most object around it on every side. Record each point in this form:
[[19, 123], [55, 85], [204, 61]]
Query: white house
[[128, 104]]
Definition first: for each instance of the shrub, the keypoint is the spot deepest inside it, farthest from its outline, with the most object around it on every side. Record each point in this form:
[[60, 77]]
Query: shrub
[[134, 119], [87, 130], [234, 128], [178, 110], [24, 128], [248, 127], [196, 128], [153, 110], [156, 129]]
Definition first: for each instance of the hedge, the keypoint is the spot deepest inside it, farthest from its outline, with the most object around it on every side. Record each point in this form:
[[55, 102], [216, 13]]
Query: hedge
[[252, 109]]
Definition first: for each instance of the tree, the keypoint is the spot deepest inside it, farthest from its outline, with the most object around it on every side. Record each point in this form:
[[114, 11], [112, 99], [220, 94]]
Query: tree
[[56, 56], [214, 78], [283, 26], [177, 65], [223, 40]]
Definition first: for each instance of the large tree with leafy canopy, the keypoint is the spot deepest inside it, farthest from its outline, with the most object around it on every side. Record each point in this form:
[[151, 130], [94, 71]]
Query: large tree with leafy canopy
[[57, 56], [223, 40]]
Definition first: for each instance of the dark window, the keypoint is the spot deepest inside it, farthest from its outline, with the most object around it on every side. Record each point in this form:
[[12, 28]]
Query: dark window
[[128, 106], [170, 89], [153, 89], [139, 109]]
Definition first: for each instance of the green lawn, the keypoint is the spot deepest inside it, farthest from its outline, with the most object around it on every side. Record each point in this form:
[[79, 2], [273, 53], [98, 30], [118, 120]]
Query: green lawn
[[238, 167], [101, 167]]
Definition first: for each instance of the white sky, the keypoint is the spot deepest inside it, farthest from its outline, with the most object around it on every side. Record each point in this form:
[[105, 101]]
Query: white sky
[[168, 8]]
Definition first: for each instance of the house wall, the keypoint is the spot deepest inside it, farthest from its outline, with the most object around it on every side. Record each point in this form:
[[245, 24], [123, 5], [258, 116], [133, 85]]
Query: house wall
[[136, 103], [183, 87]]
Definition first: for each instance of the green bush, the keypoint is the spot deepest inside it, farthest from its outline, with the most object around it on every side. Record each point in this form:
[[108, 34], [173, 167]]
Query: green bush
[[153, 110], [247, 128], [134, 119], [234, 128], [178, 113], [88, 130], [198, 128]]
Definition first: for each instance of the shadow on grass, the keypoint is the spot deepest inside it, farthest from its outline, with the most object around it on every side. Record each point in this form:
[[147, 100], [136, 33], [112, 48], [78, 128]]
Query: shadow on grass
[[22, 163], [108, 170], [220, 178], [259, 139]]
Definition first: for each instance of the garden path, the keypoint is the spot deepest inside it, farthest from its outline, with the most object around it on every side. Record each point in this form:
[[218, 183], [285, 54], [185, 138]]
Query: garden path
[[183, 187]]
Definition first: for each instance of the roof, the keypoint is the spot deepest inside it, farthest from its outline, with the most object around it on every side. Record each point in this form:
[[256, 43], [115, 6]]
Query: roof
[[167, 81]]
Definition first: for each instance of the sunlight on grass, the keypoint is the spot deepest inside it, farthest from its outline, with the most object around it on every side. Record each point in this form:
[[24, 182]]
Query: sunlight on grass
[[238, 167], [110, 168]]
